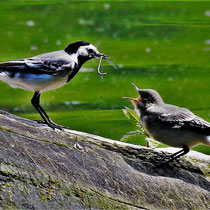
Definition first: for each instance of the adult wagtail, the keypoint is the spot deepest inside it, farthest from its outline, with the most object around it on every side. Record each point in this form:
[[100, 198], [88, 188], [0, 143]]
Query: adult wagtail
[[48, 71], [169, 124]]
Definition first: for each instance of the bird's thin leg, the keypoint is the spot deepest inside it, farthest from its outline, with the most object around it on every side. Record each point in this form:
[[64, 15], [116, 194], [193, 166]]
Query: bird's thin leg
[[178, 154], [42, 110], [50, 122], [36, 103]]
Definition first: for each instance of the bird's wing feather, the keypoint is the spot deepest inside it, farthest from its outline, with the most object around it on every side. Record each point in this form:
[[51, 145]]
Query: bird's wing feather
[[179, 117], [29, 66], [36, 66]]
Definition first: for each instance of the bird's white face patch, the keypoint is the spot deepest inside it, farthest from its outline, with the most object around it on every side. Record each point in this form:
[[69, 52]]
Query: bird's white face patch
[[84, 50]]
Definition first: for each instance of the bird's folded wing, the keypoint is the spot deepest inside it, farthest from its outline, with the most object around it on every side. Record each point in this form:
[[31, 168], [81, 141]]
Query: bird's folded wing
[[181, 118], [31, 66]]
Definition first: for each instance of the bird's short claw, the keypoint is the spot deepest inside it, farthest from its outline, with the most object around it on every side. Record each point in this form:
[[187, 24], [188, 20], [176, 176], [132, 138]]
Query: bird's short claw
[[170, 160], [52, 125], [39, 121]]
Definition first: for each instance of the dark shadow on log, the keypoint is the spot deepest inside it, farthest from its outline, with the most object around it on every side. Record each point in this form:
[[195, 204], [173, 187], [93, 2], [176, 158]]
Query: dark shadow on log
[[45, 169]]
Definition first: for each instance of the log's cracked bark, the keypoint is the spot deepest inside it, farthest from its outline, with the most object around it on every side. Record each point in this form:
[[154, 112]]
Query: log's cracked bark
[[45, 169]]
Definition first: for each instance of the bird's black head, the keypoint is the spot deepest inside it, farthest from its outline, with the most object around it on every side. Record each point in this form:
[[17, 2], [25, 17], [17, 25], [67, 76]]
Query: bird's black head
[[73, 47], [84, 51], [147, 98]]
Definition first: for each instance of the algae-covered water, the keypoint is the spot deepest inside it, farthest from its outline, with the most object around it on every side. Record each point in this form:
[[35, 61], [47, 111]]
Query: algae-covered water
[[163, 45]]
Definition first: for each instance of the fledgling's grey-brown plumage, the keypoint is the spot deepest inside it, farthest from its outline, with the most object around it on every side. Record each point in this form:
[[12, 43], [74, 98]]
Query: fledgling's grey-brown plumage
[[48, 71], [170, 124]]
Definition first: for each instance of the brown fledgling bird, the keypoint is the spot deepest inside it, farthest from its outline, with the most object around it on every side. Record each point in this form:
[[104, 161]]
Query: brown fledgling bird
[[170, 124]]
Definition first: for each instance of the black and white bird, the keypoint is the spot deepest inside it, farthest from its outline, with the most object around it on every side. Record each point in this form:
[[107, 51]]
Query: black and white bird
[[170, 124], [48, 71]]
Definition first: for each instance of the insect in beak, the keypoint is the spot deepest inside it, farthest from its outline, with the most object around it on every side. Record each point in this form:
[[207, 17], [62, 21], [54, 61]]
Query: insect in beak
[[103, 56], [99, 66]]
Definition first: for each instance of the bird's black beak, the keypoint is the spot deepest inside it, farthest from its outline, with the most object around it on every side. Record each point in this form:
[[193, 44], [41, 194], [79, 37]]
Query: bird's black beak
[[98, 55]]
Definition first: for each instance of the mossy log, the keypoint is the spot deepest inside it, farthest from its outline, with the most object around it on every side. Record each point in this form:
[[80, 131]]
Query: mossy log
[[41, 168]]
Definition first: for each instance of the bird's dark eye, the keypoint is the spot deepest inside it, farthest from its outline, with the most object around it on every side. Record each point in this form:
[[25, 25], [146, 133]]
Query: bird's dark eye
[[90, 51]]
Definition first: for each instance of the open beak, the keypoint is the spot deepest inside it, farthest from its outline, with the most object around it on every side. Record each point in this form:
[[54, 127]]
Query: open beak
[[137, 89], [135, 100]]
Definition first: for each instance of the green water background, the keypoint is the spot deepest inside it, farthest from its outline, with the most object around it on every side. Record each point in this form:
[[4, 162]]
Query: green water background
[[163, 45]]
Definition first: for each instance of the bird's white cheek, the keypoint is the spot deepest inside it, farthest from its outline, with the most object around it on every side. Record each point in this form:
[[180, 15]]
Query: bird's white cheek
[[83, 52]]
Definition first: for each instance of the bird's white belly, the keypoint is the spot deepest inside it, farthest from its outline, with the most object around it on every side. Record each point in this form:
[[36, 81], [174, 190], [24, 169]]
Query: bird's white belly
[[34, 82]]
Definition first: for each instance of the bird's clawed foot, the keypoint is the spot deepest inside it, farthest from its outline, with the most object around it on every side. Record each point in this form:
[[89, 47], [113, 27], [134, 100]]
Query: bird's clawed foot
[[169, 161], [52, 125], [40, 121], [176, 156]]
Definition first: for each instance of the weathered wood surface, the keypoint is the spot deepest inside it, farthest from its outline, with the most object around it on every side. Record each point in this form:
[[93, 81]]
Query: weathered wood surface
[[45, 169]]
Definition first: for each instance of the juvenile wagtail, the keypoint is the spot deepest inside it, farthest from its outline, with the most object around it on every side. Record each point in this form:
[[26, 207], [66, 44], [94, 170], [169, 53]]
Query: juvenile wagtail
[[48, 71], [169, 124]]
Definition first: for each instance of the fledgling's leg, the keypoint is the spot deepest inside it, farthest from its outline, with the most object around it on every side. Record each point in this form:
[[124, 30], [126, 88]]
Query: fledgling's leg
[[178, 154]]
